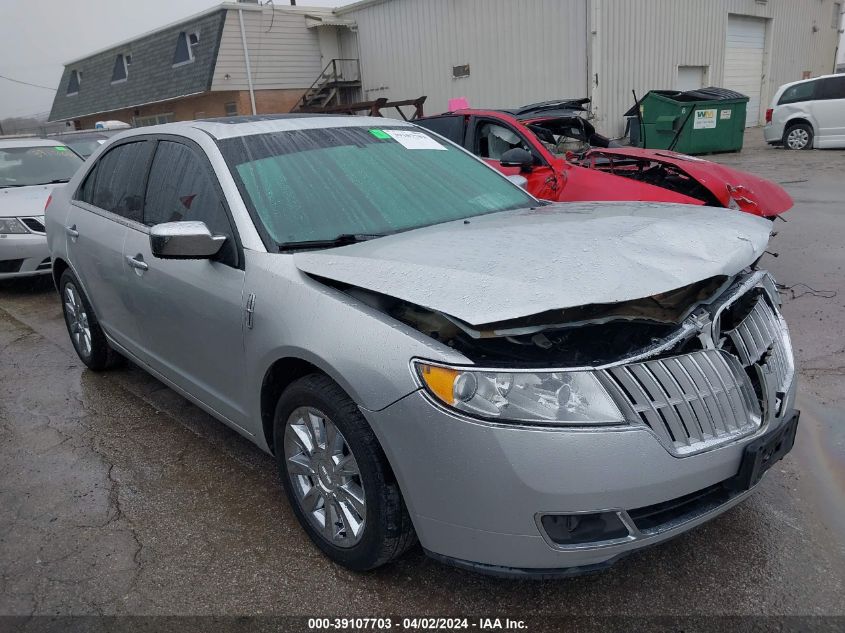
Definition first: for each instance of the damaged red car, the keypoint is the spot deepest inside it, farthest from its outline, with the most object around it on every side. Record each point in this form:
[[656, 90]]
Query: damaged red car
[[563, 159]]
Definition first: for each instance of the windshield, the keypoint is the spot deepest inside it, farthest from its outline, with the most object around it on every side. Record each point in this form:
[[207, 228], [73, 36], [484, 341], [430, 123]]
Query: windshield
[[84, 146], [569, 134], [315, 185], [25, 166]]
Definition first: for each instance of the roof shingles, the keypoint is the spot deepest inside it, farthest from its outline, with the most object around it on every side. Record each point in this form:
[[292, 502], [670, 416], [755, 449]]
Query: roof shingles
[[152, 76]]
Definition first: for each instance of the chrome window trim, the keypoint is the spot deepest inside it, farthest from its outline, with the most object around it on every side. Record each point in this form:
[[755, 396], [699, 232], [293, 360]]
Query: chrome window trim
[[109, 215]]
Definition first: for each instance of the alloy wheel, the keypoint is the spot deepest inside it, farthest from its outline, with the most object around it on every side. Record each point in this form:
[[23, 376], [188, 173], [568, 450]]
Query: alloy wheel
[[77, 320], [325, 477], [797, 138]]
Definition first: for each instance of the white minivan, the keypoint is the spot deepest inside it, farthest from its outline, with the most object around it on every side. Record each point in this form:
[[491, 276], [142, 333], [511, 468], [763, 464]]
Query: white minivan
[[807, 114]]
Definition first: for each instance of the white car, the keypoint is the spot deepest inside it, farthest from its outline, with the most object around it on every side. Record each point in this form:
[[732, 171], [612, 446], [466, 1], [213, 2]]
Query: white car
[[807, 114], [29, 171]]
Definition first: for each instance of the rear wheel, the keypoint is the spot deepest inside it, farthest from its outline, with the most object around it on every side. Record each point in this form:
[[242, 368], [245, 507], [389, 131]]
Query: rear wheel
[[798, 137], [85, 332], [336, 476]]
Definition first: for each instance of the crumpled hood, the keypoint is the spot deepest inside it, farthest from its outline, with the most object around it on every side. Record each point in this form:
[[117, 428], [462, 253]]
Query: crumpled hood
[[519, 263], [24, 201]]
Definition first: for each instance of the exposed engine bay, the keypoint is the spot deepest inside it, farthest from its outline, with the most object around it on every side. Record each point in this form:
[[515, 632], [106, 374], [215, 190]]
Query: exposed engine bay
[[664, 175], [670, 323]]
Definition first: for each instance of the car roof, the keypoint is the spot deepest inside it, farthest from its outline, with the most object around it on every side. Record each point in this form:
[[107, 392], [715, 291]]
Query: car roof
[[29, 142], [231, 127], [81, 134]]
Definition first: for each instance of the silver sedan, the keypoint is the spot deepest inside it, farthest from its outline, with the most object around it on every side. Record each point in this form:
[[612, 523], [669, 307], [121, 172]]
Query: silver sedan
[[429, 352]]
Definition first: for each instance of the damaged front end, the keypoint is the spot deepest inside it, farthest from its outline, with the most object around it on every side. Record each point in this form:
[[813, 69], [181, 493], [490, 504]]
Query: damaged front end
[[714, 184], [700, 365]]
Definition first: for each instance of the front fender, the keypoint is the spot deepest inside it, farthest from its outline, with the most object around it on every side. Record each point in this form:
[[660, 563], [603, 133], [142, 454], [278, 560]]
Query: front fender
[[364, 350]]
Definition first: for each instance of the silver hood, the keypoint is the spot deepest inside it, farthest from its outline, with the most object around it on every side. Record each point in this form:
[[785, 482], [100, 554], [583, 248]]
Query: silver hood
[[24, 201], [519, 263]]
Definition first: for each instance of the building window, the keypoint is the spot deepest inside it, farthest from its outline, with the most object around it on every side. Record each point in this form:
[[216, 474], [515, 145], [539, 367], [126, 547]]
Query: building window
[[74, 82], [459, 72], [120, 72], [231, 109], [185, 44], [153, 119]]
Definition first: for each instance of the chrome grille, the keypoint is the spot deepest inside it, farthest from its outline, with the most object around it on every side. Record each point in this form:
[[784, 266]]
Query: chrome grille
[[692, 402], [761, 336]]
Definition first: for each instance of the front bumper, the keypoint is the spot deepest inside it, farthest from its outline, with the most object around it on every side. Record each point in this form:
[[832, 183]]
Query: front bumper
[[476, 490], [23, 255]]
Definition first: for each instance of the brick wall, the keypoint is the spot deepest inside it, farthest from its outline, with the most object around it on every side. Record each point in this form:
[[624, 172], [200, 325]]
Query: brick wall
[[206, 105]]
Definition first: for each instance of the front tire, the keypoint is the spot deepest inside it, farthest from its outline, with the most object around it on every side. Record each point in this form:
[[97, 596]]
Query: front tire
[[798, 137], [337, 478], [84, 330]]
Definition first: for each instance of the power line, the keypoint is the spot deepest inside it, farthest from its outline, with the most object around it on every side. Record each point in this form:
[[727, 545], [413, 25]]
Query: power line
[[26, 83]]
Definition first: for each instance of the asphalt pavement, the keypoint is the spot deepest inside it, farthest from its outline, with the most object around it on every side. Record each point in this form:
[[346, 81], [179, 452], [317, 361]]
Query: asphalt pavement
[[119, 497]]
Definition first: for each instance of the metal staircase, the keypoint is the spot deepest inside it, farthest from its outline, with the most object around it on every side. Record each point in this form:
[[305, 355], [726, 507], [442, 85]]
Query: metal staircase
[[338, 84]]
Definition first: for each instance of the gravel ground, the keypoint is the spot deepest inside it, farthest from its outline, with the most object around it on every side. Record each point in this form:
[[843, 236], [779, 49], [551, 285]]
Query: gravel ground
[[118, 497]]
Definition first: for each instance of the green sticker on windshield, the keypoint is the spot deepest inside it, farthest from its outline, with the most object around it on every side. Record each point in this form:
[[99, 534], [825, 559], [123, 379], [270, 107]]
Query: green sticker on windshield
[[380, 134], [59, 148]]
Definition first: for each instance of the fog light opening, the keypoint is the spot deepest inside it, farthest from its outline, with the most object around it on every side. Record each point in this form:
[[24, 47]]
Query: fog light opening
[[578, 529]]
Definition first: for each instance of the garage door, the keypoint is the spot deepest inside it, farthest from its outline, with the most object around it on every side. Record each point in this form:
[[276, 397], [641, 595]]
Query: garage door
[[744, 61]]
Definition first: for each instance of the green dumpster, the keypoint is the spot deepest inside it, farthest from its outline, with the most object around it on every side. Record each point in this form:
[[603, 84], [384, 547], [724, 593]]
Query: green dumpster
[[692, 122]]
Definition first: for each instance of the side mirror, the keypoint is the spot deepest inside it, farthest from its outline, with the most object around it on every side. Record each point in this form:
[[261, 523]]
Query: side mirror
[[184, 240], [518, 157], [519, 180]]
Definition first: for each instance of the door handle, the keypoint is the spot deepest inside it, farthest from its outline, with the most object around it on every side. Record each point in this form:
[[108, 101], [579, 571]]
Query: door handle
[[137, 262], [71, 230]]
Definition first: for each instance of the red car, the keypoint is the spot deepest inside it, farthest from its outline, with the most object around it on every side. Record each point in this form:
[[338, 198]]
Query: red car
[[563, 159]]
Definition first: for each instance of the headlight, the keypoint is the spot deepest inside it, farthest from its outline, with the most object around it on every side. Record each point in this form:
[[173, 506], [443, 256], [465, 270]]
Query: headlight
[[12, 225], [561, 397]]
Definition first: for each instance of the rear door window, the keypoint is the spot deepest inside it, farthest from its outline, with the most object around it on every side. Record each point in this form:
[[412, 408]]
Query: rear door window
[[451, 127], [119, 185], [798, 93], [181, 188], [831, 88]]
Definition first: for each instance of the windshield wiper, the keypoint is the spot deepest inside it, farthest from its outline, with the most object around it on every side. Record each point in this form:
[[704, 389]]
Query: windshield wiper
[[341, 240], [36, 184]]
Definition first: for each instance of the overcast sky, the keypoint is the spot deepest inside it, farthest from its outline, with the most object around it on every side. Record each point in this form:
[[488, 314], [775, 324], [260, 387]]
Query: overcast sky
[[38, 36]]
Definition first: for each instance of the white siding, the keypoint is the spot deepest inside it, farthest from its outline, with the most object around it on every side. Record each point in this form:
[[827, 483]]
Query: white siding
[[744, 57], [519, 51], [348, 43], [283, 52], [639, 45], [691, 78]]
